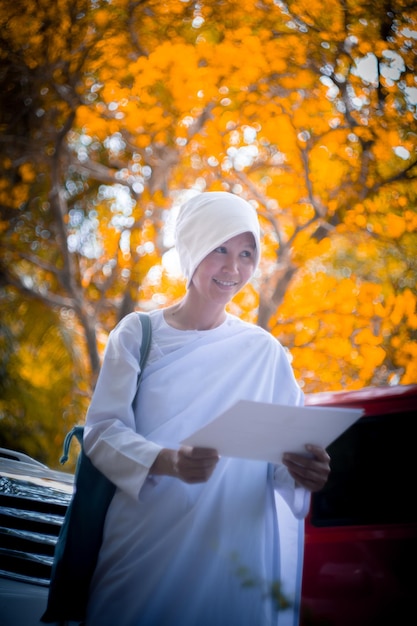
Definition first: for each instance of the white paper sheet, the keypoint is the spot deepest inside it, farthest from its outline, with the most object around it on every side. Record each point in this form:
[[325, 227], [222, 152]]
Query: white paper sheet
[[262, 431]]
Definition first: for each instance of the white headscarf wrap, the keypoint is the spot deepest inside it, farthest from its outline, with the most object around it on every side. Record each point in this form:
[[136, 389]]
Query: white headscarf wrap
[[209, 219]]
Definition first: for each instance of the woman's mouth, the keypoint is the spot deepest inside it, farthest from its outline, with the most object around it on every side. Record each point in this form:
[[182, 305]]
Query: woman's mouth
[[225, 283]]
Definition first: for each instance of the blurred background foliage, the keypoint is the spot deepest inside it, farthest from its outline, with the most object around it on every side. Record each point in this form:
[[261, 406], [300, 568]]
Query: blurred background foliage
[[113, 111]]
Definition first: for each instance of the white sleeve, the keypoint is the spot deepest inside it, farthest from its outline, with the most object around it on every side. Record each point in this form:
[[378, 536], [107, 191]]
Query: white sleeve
[[287, 391], [110, 437], [297, 498]]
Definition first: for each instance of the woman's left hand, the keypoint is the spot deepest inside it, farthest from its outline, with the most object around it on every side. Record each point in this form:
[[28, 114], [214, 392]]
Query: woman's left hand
[[310, 472]]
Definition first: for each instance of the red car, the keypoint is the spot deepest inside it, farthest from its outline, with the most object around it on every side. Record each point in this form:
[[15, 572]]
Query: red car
[[361, 532]]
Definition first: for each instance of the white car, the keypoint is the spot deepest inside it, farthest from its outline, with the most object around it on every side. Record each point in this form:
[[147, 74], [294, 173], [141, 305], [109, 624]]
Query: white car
[[33, 501]]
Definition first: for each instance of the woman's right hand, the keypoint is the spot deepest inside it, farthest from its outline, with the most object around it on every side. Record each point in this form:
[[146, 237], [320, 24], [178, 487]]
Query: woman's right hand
[[191, 465]]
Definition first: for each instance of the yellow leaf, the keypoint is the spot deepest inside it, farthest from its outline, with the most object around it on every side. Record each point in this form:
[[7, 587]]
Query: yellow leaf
[[395, 225]]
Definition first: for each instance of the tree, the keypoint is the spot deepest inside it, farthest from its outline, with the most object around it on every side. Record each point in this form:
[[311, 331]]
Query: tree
[[310, 114]]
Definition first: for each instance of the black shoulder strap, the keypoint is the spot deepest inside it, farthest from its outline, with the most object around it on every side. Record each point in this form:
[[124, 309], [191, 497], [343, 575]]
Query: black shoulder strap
[[78, 431], [146, 341]]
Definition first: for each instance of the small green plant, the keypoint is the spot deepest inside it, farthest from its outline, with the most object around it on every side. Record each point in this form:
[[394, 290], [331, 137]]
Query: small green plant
[[272, 590]]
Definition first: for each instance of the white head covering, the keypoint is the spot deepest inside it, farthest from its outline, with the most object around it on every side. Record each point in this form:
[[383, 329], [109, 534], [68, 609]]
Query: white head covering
[[209, 219]]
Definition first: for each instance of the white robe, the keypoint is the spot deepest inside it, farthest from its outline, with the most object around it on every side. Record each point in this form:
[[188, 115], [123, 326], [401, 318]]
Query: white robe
[[175, 554]]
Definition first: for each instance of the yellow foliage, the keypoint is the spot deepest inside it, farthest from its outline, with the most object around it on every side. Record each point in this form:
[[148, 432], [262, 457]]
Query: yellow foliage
[[43, 378], [410, 302], [280, 131], [373, 355], [361, 221], [326, 170], [407, 357], [411, 221], [341, 348], [366, 336], [410, 347], [307, 332], [404, 308], [17, 196], [101, 17], [91, 123], [185, 97], [396, 225], [27, 172], [383, 151], [245, 304]]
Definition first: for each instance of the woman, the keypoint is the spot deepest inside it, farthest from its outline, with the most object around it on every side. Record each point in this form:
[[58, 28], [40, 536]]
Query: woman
[[192, 539]]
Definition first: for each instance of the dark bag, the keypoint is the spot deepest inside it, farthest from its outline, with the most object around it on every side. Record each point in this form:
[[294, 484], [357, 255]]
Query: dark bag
[[81, 534]]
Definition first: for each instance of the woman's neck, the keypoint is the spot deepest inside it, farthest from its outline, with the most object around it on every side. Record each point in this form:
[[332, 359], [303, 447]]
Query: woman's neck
[[189, 315]]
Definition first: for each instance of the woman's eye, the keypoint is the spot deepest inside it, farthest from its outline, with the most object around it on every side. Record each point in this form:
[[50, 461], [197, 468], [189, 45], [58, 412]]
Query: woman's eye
[[221, 249], [247, 253]]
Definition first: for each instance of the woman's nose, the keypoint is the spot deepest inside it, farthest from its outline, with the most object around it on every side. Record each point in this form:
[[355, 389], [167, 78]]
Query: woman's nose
[[231, 263]]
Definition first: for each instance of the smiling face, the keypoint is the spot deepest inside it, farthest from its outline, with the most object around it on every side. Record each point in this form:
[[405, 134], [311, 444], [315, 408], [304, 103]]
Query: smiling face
[[225, 270]]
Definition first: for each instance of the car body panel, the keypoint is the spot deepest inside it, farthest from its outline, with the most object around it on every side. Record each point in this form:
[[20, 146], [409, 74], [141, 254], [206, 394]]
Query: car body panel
[[33, 501], [361, 536]]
